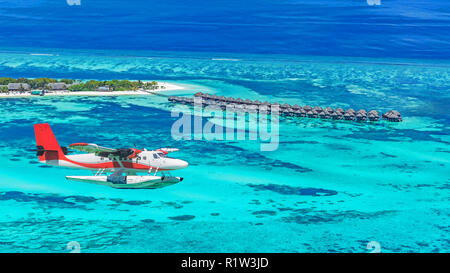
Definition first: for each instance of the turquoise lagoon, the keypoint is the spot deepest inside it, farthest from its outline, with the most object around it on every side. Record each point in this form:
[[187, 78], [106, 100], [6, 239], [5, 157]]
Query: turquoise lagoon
[[329, 187]]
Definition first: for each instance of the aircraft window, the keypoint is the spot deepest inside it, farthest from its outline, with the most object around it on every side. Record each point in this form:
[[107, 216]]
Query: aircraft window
[[162, 155], [145, 158], [155, 156], [101, 158]]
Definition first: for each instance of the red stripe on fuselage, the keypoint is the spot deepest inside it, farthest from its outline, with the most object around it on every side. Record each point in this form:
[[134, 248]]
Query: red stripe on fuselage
[[113, 164]]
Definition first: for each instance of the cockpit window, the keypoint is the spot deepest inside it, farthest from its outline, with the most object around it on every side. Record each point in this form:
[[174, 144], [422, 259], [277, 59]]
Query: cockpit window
[[162, 155], [159, 155]]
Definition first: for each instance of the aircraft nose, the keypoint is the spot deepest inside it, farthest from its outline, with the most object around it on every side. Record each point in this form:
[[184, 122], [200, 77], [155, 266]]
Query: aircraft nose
[[177, 164], [182, 164]]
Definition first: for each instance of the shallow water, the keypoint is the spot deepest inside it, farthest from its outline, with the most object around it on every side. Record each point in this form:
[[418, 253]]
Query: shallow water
[[329, 187]]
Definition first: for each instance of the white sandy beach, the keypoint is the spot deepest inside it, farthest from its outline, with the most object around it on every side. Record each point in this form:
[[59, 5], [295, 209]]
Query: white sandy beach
[[163, 86]]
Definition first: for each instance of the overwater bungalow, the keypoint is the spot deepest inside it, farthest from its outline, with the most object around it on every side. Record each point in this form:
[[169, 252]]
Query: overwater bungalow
[[329, 110], [311, 114], [361, 115], [291, 112], [302, 112], [339, 110], [318, 109], [349, 116], [285, 111], [340, 116], [296, 106], [307, 108], [393, 116], [373, 115], [297, 112]]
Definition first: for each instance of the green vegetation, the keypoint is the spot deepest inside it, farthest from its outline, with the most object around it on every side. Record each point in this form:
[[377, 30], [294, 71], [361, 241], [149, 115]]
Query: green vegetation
[[114, 85], [77, 85], [39, 83]]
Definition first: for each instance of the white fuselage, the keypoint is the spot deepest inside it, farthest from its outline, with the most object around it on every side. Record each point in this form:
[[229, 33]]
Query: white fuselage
[[144, 162]]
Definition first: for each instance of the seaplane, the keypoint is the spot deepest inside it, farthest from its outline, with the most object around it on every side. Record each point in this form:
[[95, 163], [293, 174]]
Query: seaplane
[[117, 168]]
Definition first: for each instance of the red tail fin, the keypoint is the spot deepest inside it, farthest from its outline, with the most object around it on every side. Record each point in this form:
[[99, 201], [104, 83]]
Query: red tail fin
[[47, 146]]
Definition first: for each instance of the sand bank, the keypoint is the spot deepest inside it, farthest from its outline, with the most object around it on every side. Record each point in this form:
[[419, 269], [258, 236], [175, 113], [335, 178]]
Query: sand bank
[[163, 86]]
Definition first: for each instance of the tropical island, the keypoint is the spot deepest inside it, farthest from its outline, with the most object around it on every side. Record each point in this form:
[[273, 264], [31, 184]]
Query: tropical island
[[10, 87]]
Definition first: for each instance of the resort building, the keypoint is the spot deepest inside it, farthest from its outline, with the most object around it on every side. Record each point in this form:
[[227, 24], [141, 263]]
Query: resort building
[[104, 88], [57, 86], [18, 87]]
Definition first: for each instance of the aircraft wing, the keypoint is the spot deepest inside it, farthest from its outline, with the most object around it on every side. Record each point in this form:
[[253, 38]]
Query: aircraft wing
[[91, 148], [168, 150]]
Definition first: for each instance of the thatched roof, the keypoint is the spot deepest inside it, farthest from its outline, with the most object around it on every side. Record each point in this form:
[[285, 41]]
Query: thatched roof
[[61, 86], [198, 94], [397, 113], [318, 109], [373, 112], [18, 86], [307, 108], [296, 106], [339, 110]]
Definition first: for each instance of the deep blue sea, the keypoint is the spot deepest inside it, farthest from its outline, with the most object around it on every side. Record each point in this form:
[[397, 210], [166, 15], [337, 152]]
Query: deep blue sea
[[331, 186], [395, 28]]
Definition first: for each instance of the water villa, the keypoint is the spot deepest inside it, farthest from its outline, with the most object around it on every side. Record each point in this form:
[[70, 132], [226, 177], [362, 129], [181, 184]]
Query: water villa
[[285, 109]]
